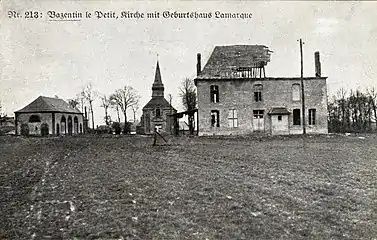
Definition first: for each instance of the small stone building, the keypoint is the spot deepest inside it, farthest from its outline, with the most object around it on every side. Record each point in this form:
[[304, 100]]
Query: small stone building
[[236, 97], [157, 113], [53, 114]]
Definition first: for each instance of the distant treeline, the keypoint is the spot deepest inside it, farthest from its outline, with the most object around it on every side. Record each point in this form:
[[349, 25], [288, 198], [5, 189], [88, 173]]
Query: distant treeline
[[353, 111]]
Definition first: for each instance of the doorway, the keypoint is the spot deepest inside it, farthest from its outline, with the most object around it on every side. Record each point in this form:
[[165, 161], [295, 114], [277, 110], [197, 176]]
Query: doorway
[[69, 125], [258, 120]]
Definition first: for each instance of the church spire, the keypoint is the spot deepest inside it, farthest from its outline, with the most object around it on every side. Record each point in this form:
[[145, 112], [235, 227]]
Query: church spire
[[158, 86], [157, 77]]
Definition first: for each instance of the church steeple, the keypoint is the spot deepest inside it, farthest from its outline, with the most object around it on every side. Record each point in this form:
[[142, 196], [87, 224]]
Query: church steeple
[[158, 86]]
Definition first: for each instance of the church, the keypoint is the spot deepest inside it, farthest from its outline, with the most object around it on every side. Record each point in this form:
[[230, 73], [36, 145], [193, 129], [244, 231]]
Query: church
[[157, 113]]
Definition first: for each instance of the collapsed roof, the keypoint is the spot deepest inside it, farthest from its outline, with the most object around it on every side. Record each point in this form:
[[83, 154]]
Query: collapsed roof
[[226, 60]]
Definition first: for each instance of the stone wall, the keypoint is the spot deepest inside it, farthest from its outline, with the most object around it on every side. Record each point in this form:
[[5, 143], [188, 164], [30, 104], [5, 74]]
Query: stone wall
[[58, 117], [34, 128], [52, 119], [277, 92], [165, 121]]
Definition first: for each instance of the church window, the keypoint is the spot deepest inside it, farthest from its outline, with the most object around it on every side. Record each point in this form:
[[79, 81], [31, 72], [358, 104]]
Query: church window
[[158, 112]]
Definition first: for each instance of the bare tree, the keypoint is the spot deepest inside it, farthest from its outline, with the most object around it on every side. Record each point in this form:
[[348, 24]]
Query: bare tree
[[89, 95], [106, 104], [173, 123], [125, 98], [187, 93], [352, 110], [114, 105], [74, 103], [135, 108], [80, 99], [372, 93], [342, 102]]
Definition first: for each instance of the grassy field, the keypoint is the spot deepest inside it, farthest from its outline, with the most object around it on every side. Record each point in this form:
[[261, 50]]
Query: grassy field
[[110, 187]]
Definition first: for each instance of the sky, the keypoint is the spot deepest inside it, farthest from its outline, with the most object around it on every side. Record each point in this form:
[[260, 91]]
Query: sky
[[39, 57]]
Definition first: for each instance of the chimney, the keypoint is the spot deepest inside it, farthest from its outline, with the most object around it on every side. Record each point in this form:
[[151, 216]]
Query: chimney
[[198, 64], [317, 63]]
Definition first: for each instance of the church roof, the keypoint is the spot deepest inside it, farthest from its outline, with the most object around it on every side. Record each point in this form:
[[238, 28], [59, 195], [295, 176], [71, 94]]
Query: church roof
[[227, 59], [158, 102], [46, 104], [158, 99]]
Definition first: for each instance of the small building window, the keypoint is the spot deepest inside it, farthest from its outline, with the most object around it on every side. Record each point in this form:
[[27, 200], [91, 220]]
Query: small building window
[[258, 114], [232, 118], [215, 118], [158, 112], [214, 91], [296, 92], [258, 96], [296, 117], [34, 118], [312, 113], [280, 118], [258, 88]]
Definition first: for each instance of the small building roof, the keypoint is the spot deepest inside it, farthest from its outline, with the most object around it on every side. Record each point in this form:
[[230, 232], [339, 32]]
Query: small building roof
[[180, 114], [47, 104], [279, 111], [227, 59]]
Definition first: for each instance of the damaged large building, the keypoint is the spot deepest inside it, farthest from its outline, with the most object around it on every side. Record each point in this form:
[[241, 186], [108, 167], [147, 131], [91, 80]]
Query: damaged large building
[[236, 97]]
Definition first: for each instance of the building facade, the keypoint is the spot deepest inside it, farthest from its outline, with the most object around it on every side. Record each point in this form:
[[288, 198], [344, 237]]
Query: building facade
[[157, 113], [49, 116], [235, 96]]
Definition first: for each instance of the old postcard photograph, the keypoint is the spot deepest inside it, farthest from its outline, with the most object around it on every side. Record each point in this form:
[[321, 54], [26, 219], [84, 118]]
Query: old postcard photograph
[[188, 119]]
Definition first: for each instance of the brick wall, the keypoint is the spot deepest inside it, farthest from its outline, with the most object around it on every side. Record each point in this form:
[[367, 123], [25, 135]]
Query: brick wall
[[277, 92]]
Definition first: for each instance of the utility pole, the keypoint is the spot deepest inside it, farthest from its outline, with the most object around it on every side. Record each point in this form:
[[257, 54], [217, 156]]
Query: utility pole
[[170, 116], [302, 89]]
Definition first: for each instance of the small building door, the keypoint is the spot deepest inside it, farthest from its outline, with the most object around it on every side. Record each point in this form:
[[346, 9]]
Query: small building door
[[258, 120]]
